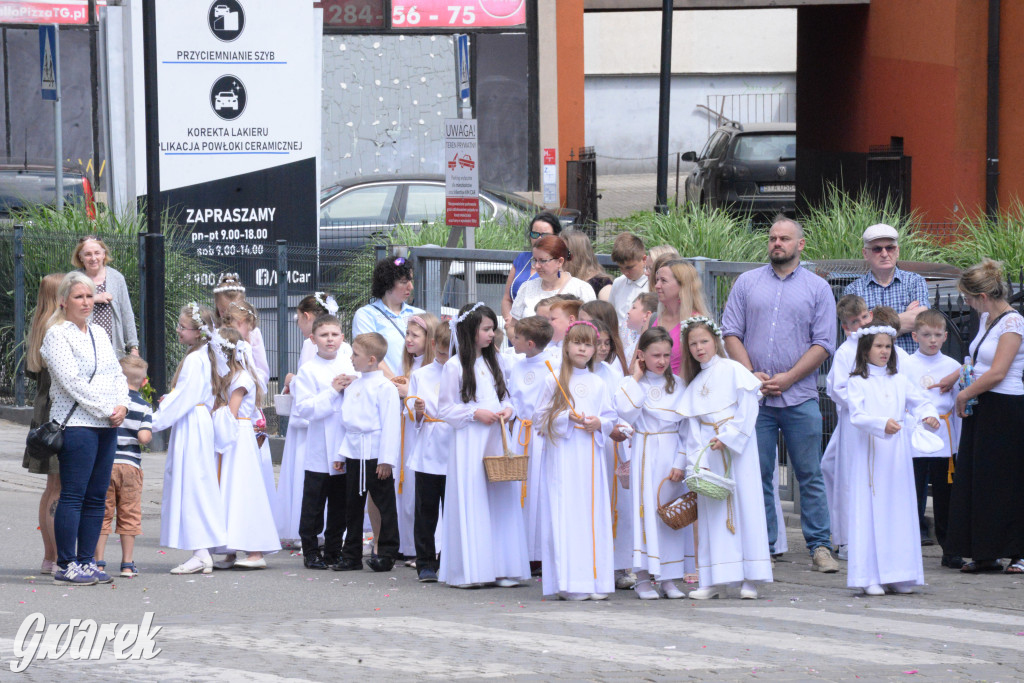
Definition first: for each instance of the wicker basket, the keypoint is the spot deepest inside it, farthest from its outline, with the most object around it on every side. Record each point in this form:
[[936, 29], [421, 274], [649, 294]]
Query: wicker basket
[[706, 483], [507, 467], [681, 512]]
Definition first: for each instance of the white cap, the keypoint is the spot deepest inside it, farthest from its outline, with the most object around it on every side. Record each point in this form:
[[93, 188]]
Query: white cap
[[880, 231]]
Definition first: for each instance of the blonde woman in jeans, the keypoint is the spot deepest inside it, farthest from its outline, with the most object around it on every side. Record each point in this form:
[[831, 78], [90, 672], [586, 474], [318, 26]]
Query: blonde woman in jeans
[[86, 379]]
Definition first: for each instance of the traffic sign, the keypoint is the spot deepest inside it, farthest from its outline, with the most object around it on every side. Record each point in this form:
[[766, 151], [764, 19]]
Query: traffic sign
[[48, 69], [461, 173], [462, 62]]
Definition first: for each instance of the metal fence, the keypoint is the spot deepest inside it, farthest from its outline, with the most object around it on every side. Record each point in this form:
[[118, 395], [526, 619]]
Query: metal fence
[[778, 107]]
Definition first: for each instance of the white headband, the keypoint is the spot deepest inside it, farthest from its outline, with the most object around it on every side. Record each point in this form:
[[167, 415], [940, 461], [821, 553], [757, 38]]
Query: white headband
[[715, 329], [875, 329], [221, 287]]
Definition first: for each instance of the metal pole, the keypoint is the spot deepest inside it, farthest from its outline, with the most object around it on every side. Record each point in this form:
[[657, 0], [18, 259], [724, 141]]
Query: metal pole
[[19, 316], [664, 96], [992, 111], [282, 325], [143, 297], [154, 253], [58, 135]]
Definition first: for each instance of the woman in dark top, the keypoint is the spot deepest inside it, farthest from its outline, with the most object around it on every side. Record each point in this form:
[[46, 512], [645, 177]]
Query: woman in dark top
[[544, 223], [46, 304]]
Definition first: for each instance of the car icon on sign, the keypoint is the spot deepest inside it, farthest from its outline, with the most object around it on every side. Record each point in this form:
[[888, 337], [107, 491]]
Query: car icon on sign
[[225, 100], [221, 11]]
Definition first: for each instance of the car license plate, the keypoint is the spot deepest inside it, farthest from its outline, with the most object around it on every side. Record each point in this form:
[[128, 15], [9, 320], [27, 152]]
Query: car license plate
[[778, 189]]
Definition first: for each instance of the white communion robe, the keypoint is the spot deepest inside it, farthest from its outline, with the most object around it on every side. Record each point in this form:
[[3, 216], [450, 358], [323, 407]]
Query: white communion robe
[[288, 504], [434, 443], [617, 453], [732, 536], [884, 537], [576, 515], [405, 478], [318, 404], [660, 427], [484, 537], [837, 480], [526, 384], [926, 371], [192, 513], [247, 512]]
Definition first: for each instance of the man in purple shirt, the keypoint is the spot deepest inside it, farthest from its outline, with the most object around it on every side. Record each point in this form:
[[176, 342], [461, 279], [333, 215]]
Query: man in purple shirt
[[780, 322]]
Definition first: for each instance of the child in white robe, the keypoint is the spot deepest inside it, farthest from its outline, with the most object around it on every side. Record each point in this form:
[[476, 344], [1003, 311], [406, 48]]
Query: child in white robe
[[650, 400], [884, 539], [241, 315], [577, 555], [418, 352], [318, 404], [608, 366], [721, 401], [192, 513], [853, 314], [429, 458], [526, 388], [484, 540], [288, 503], [247, 513], [371, 415]]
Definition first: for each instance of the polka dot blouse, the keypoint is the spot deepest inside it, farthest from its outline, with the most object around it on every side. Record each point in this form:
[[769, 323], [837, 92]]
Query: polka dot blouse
[[68, 354]]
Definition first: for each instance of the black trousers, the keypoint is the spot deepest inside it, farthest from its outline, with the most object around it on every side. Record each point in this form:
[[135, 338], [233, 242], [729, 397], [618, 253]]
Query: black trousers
[[935, 470], [429, 499], [320, 489], [383, 493]]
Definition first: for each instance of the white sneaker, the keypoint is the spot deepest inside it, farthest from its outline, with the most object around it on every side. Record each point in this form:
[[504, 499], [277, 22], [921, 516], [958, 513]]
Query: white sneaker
[[598, 596], [670, 590], [564, 595], [822, 561], [874, 589], [748, 591], [707, 593], [506, 583], [843, 553], [645, 591]]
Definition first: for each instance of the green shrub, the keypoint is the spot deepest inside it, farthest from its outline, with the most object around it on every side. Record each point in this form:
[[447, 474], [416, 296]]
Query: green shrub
[[695, 231], [1001, 239]]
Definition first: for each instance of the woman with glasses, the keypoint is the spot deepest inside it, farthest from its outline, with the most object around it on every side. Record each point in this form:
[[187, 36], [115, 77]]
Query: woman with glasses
[[550, 254], [544, 223]]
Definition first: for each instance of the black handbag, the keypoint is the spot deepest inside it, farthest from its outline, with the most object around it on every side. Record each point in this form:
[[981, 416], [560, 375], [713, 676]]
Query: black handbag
[[47, 439]]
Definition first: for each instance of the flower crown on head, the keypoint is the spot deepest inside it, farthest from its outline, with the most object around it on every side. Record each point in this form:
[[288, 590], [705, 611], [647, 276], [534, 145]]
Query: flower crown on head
[[454, 322], [703, 319], [204, 331], [327, 301], [243, 309], [584, 322], [874, 329], [218, 340], [222, 287]]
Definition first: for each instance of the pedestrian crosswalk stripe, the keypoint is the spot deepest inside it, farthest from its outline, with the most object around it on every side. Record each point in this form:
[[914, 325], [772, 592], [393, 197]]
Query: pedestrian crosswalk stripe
[[676, 630], [980, 616]]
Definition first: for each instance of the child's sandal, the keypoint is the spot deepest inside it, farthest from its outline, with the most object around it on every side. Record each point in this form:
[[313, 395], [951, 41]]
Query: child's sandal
[[128, 570], [1015, 567]]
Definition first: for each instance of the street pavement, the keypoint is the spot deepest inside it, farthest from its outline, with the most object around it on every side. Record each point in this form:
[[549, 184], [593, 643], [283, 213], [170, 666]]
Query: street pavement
[[289, 624]]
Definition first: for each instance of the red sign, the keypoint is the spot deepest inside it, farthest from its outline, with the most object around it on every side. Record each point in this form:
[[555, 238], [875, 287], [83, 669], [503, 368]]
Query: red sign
[[549, 155], [354, 13], [458, 13], [47, 12], [464, 211]]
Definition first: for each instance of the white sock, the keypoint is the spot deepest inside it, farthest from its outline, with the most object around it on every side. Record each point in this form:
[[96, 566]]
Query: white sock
[[202, 554]]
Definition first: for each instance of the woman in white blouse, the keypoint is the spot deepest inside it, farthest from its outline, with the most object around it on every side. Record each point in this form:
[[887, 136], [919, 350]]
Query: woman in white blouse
[[986, 518], [86, 379], [550, 254]]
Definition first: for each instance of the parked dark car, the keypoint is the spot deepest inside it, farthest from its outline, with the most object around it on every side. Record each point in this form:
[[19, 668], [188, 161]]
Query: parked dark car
[[355, 210], [25, 184], [746, 168]]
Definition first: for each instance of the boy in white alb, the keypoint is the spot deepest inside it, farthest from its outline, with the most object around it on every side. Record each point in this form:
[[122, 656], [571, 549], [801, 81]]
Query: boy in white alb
[[853, 313], [318, 403], [526, 388], [925, 368], [630, 255], [371, 419]]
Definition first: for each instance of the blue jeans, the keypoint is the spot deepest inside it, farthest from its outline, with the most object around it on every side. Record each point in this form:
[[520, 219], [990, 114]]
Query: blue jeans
[[85, 464], [801, 428]]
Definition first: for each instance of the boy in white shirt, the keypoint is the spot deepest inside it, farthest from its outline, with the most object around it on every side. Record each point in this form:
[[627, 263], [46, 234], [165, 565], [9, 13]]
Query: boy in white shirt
[[925, 368], [318, 402], [630, 255], [638, 321], [526, 388], [371, 419]]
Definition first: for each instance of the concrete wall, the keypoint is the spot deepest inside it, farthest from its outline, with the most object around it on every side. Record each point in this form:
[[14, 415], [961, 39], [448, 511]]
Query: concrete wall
[[735, 52], [385, 99], [622, 114]]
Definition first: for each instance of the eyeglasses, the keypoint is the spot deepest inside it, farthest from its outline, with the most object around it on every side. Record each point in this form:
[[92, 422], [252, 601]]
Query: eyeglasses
[[537, 235], [541, 261], [891, 248]]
